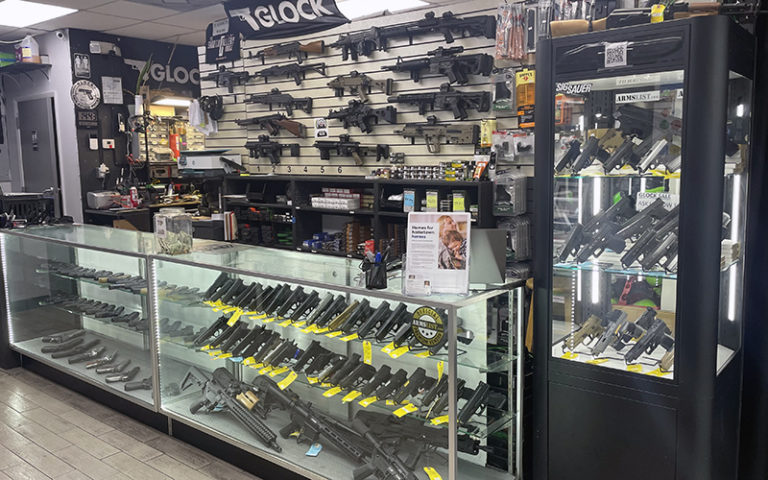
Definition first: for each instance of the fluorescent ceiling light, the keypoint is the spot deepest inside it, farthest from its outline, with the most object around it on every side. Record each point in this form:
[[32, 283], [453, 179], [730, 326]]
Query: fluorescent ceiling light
[[20, 14], [172, 102], [362, 8]]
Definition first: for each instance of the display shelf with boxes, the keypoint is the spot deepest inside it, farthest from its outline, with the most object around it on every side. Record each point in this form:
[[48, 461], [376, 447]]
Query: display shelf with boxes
[[327, 379], [641, 214]]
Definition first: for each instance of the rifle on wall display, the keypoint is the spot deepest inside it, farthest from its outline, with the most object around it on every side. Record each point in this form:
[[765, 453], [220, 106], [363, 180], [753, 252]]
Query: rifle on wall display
[[361, 115], [274, 123], [285, 100], [227, 78], [265, 147], [432, 132], [292, 49], [346, 148], [359, 84], [447, 99], [296, 70], [445, 61]]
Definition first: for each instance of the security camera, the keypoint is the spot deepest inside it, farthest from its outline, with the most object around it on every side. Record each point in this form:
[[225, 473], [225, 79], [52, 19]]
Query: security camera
[[60, 34]]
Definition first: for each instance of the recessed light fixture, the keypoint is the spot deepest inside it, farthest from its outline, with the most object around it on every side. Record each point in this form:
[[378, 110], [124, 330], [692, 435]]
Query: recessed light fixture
[[20, 14], [361, 8], [172, 102]]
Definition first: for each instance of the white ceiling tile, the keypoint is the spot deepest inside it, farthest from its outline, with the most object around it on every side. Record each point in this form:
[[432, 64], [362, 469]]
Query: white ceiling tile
[[133, 10], [196, 19], [149, 31], [87, 21], [78, 4], [9, 34], [195, 39]]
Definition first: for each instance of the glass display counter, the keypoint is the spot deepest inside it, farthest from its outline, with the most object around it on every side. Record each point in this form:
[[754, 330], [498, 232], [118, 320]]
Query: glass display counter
[[281, 354]]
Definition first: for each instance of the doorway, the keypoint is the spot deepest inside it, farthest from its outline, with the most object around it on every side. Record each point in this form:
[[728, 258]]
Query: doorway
[[39, 151]]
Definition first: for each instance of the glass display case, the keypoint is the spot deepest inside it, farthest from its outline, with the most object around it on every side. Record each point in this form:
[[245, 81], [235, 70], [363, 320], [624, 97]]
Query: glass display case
[[644, 189], [282, 354], [77, 300], [330, 380]]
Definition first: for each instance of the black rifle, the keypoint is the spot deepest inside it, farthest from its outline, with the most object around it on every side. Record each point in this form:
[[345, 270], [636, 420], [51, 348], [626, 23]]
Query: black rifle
[[359, 84], [377, 38], [378, 315], [445, 61], [383, 464], [310, 423], [274, 97], [446, 99], [292, 49], [226, 78], [392, 322], [296, 70], [362, 116], [346, 148], [395, 382], [382, 375], [415, 382], [223, 392], [432, 132], [273, 123], [657, 333]]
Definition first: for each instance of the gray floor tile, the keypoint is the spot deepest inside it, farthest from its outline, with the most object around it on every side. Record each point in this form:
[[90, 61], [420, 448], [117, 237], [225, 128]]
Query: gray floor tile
[[131, 446], [73, 475], [183, 452], [2, 475], [86, 422], [88, 464], [93, 445], [8, 458], [42, 436], [49, 420], [175, 469], [25, 471], [219, 470], [16, 401], [131, 427], [133, 468]]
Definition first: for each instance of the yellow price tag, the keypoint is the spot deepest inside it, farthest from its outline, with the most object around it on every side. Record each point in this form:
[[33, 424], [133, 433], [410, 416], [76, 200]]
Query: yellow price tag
[[320, 331], [229, 309], [367, 352], [367, 401], [570, 356], [439, 420], [278, 371], [350, 337], [235, 317], [213, 353], [596, 361], [259, 317], [424, 354], [657, 373], [351, 396], [334, 334], [269, 320], [405, 410], [332, 392], [399, 352], [390, 403], [637, 368], [432, 473], [209, 303], [205, 348], [300, 324], [249, 361], [251, 313], [326, 385], [440, 369], [284, 383], [224, 355], [266, 369], [389, 348], [285, 323], [310, 329], [312, 380]]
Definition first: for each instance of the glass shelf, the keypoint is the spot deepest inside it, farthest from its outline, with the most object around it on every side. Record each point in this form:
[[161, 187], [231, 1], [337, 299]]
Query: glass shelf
[[614, 268]]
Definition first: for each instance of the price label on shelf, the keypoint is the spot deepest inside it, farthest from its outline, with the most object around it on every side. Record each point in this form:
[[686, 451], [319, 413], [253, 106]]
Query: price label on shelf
[[284, 323], [332, 392], [266, 369], [440, 369], [596, 361], [223, 355], [259, 316], [249, 361], [570, 356], [313, 380], [334, 334], [389, 348], [439, 420], [300, 324], [424, 354], [269, 320], [349, 338], [351, 396], [432, 473], [320, 331], [366, 402], [399, 352], [235, 317], [288, 380], [310, 329], [405, 410], [278, 371], [367, 352], [635, 368]]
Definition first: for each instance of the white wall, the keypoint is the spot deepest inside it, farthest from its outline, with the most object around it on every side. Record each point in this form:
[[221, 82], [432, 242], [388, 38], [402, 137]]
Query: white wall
[[19, 88]]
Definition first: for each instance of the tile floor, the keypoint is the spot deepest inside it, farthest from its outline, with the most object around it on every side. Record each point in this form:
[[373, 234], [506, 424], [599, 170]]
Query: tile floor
[[50, 432]]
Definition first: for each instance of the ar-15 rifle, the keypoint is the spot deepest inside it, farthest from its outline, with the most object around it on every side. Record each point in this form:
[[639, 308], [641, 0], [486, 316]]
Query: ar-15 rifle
[[288, 101], [446, 99], [292, 49], [432, 132], [223, 391], [226, 78], [264, 147], [377, 38], [296, 70], [445, 61], [362, 116], [346, 148], [359, 84], [383, 464], [273, 123]]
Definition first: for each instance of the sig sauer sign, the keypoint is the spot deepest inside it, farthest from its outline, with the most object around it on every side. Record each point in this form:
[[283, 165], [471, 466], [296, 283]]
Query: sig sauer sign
[[267, 19]]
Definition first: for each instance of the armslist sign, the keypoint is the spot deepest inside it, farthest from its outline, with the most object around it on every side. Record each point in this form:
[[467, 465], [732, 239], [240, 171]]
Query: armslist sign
[[652, 96]]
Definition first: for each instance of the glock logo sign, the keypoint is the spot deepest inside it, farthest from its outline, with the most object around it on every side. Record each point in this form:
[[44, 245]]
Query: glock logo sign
[[428, 326], [265, 19]]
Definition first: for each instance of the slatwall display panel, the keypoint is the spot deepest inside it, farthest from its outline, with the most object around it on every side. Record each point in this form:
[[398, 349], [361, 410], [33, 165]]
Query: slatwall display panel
[[234, 137]]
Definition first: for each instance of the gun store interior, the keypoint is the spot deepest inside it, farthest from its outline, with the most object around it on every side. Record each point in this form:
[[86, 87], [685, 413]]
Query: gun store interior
[[433, 239]]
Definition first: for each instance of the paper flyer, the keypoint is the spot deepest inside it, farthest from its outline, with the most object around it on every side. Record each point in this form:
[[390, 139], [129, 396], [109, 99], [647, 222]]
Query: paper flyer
[[438, 253]]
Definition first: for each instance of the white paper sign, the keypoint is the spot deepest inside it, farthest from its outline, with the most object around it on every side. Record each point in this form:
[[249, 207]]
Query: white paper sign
[[112, 90], [651, 96], [615, 54], [438, 253], [644, 199]]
